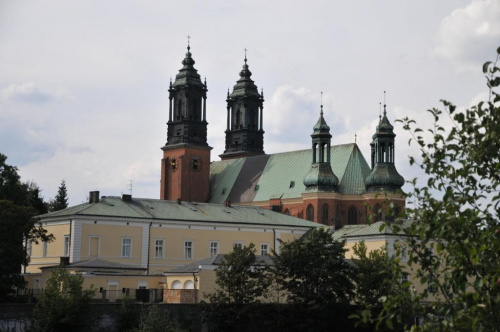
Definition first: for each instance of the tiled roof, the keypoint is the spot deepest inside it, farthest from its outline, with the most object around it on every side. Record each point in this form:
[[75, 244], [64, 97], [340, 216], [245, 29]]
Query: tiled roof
[[218, 260], [260, 178], [161, 210]]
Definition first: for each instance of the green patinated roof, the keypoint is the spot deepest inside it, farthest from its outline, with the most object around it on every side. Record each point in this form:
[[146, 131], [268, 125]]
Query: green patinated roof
[[367, 230], [273, 174], [156, 210]]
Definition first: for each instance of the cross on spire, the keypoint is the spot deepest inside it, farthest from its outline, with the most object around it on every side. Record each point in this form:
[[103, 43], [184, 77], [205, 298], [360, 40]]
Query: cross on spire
[[245, 49], [321, 102], [355, 138], [384, 104], [188, 37]]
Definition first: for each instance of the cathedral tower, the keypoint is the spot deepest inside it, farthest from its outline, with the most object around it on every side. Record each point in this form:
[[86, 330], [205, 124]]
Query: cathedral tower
[[244, 133], [384, 177], [185, 167]]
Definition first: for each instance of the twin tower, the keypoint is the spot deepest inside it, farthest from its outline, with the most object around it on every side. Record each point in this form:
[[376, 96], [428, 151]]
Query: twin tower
[[185, 168], [186, 155]]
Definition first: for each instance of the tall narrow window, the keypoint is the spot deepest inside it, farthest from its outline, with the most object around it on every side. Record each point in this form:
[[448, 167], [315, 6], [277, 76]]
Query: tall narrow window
[[29, 250], [264, 249], [377, 212], [126, 247], [159, 249], [310, 212], [188, 250], [238, 245], [352, 216], [94, 243], [66, 245], [324, 214], [214, 248], [44, 249]]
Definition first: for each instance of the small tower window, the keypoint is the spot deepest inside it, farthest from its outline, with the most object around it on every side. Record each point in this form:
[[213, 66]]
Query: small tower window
[[352, 216], [310, 212], [324, 214]]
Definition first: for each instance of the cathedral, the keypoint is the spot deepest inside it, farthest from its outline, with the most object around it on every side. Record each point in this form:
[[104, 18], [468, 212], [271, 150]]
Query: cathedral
[[328, 184]]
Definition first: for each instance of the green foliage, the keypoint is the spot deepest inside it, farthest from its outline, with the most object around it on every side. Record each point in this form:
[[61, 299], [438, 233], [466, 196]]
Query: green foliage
[[242, 279], [377, 277], [313, 271], [19, 203], [60, 202], [155, 319], [63, 305], [127, 317], [454, 245]]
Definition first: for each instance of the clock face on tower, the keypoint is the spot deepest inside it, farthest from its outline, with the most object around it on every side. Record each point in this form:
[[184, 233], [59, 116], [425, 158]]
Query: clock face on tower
[[173, 164], [195, 163]]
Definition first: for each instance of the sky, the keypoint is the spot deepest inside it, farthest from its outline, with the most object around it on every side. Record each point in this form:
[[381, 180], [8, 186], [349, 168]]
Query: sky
[[84, 83]]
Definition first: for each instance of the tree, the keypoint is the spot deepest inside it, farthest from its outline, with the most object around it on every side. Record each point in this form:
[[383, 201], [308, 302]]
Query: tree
[[241, 279], [313, 271], [63, 305], [454, 244], [376, 277], [60, 202], [19, 203]]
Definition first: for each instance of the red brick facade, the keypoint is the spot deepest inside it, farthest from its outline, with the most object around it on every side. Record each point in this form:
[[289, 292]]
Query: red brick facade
[[185, 173]]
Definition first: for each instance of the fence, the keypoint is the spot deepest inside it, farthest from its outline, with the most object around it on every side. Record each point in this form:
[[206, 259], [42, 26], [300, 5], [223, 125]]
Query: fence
[[27, 295]]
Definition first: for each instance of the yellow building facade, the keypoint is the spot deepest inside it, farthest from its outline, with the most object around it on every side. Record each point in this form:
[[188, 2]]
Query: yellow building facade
[[120, 243]]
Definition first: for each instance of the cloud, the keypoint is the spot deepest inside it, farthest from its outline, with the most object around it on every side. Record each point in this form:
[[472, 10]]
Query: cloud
[[31, 93], [469, 34]]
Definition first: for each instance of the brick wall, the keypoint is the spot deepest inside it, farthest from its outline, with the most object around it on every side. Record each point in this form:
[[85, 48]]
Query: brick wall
[[180, 296]]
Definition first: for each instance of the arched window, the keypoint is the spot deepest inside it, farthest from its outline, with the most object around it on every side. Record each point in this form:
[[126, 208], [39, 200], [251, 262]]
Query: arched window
[[189, 284], [310, 212], [180, 111], [377, 212], [238, 119], [176, 285], [352, 215], [324, 214], [287, 212]]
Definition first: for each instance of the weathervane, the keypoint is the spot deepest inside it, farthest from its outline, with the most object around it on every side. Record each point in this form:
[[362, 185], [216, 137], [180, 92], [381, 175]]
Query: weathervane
[[245, 49], [188, 37]]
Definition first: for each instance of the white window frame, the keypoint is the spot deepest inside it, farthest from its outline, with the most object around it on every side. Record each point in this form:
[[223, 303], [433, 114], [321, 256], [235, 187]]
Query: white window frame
[[159, 249], [188, 249], [66, 245], [264, 252], [126, 253], [214, 248], [238, 244], [44, 249]]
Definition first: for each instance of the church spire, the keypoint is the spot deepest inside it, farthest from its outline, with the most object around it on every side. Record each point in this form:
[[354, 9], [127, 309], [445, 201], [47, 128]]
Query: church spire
[[186, 155], [187, 110], [384, 176], [244, 132], [321, 177]]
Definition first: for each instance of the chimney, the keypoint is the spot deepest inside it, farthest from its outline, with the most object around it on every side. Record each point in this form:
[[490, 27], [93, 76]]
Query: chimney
[[94, 197], [127, 198]]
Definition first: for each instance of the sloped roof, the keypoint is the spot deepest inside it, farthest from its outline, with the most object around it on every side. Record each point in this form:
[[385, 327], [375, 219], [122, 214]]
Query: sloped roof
[[96, 263], [271, 176], [367, 230], [218, 260], [161, 210]]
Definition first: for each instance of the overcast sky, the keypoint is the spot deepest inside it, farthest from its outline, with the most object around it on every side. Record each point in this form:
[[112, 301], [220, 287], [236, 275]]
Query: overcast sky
[[83, 84]]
